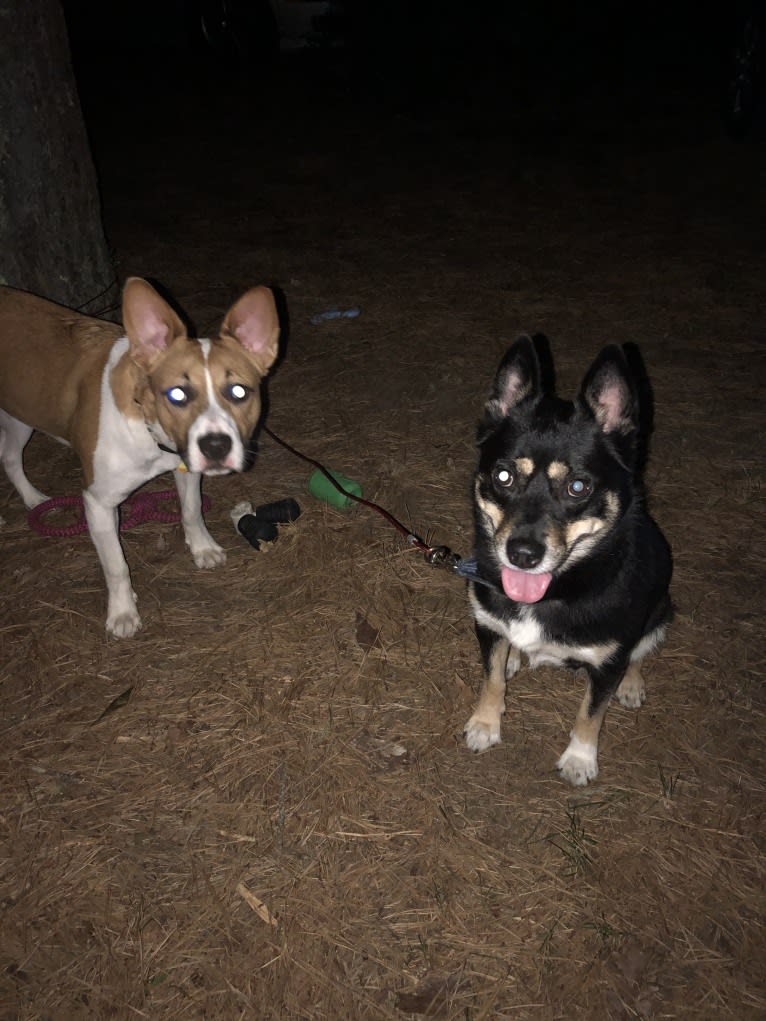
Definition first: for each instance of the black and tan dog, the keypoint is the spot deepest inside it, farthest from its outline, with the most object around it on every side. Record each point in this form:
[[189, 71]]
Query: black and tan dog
[[570, 568]]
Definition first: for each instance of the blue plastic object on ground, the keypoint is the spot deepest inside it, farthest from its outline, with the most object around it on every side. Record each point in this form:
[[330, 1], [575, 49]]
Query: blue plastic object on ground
[[335, 313]]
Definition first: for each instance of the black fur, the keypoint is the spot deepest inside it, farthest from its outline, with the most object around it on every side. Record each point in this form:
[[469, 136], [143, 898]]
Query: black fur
[[606, 564]]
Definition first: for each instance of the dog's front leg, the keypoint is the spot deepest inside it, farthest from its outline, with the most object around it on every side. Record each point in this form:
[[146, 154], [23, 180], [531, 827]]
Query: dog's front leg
[[122, 619], [500, 663], [579, 763], [204, 549]]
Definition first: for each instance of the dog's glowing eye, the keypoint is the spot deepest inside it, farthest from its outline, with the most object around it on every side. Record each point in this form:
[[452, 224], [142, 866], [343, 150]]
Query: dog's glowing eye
[[238, 392], [178, 396], [503, 477], [578, 487]]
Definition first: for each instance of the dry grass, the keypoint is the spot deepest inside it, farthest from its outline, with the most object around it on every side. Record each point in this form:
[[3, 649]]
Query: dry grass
[[260, 807]]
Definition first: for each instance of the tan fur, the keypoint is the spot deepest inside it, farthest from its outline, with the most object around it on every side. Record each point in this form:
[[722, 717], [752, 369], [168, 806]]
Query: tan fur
[[489, 508], [186, 363], [492, 698], [133, 405], [591, 526], [587, 728], [73, 349], [631, 692], [557, 470], [583, 526], [128, 383]]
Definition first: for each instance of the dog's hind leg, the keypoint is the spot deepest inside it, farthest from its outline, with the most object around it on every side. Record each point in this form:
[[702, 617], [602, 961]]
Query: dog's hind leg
[[14, 436], [501, 661], [631, 693]]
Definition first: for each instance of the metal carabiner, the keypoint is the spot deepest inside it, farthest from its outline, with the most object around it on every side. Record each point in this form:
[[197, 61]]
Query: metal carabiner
[[442, 556]]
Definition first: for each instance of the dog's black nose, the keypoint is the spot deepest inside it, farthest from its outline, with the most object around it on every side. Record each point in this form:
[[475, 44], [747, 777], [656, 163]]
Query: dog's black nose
[[525, 553], [215, 446]]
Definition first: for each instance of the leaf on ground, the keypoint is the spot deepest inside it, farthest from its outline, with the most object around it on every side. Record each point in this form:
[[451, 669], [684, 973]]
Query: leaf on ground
[[367, 636]]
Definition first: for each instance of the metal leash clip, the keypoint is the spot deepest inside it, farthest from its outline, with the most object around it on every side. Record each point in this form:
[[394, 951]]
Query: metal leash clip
[[442, 556]]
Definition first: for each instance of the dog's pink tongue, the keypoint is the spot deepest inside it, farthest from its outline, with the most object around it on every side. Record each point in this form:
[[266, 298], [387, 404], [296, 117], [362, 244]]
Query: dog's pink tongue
[[523, 587]]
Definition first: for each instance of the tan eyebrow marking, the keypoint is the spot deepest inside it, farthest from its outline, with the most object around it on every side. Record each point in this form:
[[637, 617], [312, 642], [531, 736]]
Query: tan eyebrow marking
[[524, 465], [557, 470], [490, 510]]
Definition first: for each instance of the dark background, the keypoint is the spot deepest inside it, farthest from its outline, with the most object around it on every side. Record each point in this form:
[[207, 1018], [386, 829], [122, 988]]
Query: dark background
[[284, 735]]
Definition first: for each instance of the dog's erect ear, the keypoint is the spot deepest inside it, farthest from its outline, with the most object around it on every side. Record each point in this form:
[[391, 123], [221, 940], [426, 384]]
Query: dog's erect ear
[[517, 379], [547, 369], [150, 323], [254, 324], [609, 392]]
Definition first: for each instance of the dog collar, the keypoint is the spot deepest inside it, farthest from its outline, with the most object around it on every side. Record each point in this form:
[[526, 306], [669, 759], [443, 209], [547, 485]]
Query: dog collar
[[169, 450], [162, 446], [468, 568]]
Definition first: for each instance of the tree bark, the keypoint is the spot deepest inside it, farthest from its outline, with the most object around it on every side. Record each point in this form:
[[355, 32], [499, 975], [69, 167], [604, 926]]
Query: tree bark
[[52, 238]]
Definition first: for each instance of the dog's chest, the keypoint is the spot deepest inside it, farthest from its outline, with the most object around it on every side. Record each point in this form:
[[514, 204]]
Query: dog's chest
[[527, 634], [125, 453]]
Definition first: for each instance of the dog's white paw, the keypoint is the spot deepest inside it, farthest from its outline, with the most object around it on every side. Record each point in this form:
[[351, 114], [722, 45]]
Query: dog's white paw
[[123, 624], [209, 556], [33, 498], [579, 763], [481, 733], [631, 692]]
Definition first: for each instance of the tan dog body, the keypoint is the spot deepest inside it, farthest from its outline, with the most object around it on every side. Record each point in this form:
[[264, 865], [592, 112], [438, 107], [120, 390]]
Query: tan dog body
[[133, 404]]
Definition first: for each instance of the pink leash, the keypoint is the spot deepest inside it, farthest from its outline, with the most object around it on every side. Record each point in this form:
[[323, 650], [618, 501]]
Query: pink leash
[[137, 509]]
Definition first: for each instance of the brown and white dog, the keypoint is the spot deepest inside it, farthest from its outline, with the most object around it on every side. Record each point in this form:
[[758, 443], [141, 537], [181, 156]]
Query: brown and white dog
[[133, 403]]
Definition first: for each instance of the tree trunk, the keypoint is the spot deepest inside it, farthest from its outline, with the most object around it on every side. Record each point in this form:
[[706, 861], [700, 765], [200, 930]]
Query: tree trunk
[[51, 234]]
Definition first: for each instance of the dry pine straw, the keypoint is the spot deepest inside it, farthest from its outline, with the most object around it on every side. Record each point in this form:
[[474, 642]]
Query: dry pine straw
[[278, 819], [260, 807]]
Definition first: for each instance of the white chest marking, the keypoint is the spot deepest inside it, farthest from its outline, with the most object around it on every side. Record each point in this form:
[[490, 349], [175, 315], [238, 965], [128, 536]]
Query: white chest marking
[[527, 635], [125, 455]]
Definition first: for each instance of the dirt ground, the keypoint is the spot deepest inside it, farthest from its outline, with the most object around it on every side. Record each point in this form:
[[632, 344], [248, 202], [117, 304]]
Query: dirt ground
[[261, 807]]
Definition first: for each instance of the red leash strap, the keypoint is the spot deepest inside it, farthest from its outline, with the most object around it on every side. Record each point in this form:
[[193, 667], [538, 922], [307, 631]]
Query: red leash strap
[[136, 510], [436, 555]]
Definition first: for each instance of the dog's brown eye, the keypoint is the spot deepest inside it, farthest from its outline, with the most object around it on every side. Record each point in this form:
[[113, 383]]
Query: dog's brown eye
[[503, 477], [577, 488]]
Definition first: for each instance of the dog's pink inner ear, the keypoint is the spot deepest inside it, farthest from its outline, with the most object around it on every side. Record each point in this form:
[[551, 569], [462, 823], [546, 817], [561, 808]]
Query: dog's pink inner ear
[[611, 405], [511, 387], [515, 387], [150, 323], [253, 322]]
